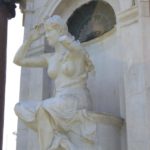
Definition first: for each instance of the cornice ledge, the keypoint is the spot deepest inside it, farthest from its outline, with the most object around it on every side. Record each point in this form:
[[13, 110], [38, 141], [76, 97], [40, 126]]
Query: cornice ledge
[[128, 16]]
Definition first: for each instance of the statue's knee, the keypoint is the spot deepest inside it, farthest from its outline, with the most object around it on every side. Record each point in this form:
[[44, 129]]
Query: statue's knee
[[17, 108], [41, 111]]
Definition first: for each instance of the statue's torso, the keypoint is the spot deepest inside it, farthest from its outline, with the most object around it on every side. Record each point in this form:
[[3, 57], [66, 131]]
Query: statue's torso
[[66, 70]]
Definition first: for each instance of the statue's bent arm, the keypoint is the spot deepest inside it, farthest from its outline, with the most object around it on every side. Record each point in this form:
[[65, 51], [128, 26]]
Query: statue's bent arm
[[23, 60], [34, 61]]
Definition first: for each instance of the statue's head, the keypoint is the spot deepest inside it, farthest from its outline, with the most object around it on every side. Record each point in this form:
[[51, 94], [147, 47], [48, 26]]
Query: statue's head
[[54, 27], [56, 23]]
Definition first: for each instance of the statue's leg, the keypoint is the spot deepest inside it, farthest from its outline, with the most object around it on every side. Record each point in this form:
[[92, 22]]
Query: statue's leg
[[44, 129], [26, 114]]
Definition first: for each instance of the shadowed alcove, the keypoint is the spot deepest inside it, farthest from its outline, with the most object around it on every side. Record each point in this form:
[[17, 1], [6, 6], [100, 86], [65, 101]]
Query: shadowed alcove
[[91, 20]]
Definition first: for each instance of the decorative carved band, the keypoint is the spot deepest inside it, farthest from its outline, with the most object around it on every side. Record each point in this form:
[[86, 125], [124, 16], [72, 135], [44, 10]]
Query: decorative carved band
[[128, 17]]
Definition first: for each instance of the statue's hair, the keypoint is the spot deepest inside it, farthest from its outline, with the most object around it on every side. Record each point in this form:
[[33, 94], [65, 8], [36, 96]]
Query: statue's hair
[[89, 63], [57, 23]]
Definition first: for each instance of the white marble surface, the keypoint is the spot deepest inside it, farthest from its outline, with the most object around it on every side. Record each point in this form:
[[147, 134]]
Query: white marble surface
[[129, 81]]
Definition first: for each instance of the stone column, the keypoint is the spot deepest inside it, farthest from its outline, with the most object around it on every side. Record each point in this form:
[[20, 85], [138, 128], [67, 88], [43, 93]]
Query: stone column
[[145, 20], [3, 43], [134, 29], [7, 11]]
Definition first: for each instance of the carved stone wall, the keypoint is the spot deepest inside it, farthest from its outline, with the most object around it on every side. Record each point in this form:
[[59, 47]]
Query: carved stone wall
[[121, 57]]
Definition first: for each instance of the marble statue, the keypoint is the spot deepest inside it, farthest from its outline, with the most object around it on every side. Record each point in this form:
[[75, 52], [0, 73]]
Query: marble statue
[[62, 121]]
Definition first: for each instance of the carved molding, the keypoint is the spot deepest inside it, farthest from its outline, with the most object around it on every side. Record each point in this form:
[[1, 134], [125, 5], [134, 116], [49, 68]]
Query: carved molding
[[48, 9], [100, 39], [128, 17], [108, 119]]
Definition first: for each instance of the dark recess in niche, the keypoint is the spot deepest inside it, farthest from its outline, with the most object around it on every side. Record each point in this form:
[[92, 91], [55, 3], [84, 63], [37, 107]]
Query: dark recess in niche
[[91, 20]]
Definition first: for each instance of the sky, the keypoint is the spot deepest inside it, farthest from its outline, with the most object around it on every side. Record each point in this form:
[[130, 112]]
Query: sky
[[14, 41]]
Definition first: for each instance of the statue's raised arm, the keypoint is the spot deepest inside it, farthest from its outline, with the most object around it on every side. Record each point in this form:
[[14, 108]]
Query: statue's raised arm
[[22, 59], [52, 29]]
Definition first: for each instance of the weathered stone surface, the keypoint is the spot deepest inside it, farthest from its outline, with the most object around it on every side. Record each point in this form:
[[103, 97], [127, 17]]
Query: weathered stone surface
[[121, 58]]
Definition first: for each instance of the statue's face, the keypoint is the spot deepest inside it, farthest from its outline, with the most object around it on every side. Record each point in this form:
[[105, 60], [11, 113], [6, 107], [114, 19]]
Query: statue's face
[[52, 36]]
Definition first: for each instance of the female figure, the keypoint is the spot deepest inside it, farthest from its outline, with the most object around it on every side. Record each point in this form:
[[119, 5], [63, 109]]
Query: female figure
[[68, 67]]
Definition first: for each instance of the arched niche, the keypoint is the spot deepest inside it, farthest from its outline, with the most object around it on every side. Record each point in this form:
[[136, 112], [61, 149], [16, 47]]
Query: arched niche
[[91, 20], [65, 8]]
